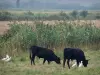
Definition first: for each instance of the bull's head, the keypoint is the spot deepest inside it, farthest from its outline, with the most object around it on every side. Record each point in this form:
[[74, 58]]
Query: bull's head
[[58, 60], [85, 63]]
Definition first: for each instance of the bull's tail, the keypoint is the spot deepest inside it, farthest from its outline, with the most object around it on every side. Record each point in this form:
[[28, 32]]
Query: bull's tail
[[30, 54]]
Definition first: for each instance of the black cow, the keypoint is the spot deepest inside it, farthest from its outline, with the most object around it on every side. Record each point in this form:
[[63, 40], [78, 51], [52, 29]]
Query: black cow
[[45, 53], [74, 54]]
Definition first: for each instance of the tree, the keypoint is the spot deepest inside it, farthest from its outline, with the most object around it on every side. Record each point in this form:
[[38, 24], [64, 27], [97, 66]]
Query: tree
[[18, 3], [84, 13], [64, 15], [74, 14], [97, 16]]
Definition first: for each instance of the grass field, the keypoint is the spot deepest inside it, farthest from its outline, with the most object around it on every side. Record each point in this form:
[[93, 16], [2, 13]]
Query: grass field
[[20, 65], [39, 11], [49, 11]]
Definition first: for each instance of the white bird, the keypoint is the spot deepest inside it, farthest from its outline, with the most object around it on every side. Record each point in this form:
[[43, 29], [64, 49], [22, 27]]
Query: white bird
[[74, 64], [80, 64], [3, 58], [7, 58]]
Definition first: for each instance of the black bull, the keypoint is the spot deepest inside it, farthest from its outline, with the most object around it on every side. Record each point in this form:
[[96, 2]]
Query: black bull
[[45, 53], [74, 54]]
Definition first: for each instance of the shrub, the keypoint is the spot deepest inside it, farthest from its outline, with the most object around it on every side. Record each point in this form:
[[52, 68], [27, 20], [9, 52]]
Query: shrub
[[84, 13], [4, 15], [97, 16]]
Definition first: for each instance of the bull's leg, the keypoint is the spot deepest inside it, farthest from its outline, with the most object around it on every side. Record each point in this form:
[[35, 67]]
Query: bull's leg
[[44, 61], [48, 62], [68, 63], [77, 63], [64, 63], [32, 59]]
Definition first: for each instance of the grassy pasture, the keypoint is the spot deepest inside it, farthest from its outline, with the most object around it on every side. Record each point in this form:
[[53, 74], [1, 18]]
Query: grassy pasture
[[20, 65]]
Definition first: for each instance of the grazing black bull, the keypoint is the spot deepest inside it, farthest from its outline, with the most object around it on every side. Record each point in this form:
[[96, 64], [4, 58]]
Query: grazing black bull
[[45, 53], [74, 54]]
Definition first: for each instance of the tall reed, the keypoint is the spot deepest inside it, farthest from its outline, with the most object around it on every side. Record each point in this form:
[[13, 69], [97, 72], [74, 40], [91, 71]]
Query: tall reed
[[22, 36]]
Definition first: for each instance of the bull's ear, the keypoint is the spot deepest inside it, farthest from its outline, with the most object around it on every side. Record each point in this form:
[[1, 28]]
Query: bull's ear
[[58, 57]]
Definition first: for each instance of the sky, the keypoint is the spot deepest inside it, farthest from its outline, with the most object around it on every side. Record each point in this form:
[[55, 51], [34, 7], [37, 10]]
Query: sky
[[81, 2], [57, 3]]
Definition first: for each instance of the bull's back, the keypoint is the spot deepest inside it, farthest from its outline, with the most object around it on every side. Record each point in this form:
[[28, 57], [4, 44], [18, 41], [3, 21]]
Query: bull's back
[[44, 52], [33, 49], [73, 53]]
